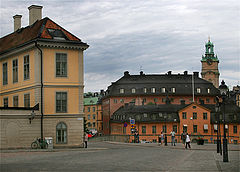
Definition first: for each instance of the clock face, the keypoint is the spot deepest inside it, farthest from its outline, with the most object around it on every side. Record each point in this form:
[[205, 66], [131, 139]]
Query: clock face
[[209, 62]]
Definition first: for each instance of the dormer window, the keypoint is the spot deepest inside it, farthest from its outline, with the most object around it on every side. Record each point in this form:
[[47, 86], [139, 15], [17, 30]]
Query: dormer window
[[198, 90], [173, 90], [145, 90], [57, 34], [145, 115], [163, 90], [208, 90], [153, 90], [121, 90], [133, 90]]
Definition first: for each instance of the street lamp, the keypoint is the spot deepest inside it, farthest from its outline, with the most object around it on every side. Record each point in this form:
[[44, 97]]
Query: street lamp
[[217, 109], [223, 91], [165, 139]]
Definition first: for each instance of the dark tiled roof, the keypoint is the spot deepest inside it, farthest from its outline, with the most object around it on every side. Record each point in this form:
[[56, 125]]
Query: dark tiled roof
[[181, 82], [38, 30], [151, 112]]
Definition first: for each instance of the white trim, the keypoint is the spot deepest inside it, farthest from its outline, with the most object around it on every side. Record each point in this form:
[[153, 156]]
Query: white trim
[[205, 126], [215, 126]]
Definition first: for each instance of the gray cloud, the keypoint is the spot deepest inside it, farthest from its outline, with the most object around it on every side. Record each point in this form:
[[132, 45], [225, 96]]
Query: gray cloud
[[157, 35]]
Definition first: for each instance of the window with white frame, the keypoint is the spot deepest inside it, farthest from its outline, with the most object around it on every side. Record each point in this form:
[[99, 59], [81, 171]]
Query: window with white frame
[[5, 73], [145, 90], [61, 131], [198, 90], [173, 90], [163, 90], [133, 90], [15, 70], [153, 90], [121, 90], [26, 67], [61, 65], [61, 102], [208, 90]]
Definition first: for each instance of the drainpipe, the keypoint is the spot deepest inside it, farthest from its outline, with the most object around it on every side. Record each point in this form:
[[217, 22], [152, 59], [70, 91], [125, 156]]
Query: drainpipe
[[41, 92]]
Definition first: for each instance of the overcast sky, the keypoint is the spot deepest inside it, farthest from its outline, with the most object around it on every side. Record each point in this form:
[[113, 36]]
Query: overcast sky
[[153, 35]]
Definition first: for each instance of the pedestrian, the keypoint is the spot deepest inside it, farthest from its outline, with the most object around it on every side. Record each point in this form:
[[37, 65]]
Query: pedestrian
[[183, 138], [162, 138], [173, 138], [187, 141], [86, 139], [159, 140]]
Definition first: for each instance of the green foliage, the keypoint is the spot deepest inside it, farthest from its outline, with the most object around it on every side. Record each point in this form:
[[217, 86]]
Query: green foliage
[[150, 103]]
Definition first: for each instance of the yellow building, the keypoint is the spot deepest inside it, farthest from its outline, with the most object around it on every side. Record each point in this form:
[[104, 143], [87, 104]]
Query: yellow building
[[41, 64]]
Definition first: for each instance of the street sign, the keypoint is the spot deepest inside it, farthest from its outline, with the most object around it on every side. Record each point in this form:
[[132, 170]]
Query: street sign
[[125, 124], [132, 126], [132, 121]]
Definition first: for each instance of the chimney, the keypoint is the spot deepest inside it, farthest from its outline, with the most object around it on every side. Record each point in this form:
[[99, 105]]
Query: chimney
[[126, 73], [185, 72], [169, 72], [17, 22], [35, 13], [195, 74]]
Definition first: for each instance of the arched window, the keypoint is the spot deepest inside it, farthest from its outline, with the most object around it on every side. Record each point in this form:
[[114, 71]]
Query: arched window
[[61, 131]]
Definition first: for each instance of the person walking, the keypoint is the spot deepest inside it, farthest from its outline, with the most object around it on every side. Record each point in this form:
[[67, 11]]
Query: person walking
[[162, 138], [173, 138], [159, 140], [187, 141], [183, 138], [86, 139]]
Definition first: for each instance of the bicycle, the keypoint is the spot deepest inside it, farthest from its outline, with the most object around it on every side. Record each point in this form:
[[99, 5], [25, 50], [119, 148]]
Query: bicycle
[[38, 143]]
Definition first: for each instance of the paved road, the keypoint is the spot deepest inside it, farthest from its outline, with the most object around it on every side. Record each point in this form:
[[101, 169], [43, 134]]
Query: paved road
[[102, 156]]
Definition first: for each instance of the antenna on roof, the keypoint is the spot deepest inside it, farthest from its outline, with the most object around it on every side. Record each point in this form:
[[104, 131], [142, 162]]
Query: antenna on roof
[[141, 69]]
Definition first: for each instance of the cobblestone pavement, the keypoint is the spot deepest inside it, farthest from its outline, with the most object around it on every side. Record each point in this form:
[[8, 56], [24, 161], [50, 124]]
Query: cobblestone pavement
[[113, 156]]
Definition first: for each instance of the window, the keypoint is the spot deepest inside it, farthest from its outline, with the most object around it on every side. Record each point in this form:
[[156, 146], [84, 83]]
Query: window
[[145, 90], [205, 115], [163, 100], [26, 100], [114, 100], [5, 102], [163, 90], [121, 90], [15, 70], [15, 101], [154, 129], [208, 90], [89, 124], [5, 74], [175, 128], [215, 127], [88, 117], [133, 90], [234, 129], [94, 116], [205, 128], [173, 90], [207, 100], [61, 101], [155, 100], [93, 109], [61, 131], [198, 90], [143, 129], [194, 115], [122, 100], [153, 90], [61, 65], [26, 67], [195, 128], [164, 129], [184, 115], [94, 124], [145, 115], [89, 109]]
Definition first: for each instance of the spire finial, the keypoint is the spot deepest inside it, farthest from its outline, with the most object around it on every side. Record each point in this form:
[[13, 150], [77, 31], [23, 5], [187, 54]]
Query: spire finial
[[209, 38]]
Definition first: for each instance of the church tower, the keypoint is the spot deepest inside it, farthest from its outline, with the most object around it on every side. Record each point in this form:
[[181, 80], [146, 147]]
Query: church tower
[[210, 65]]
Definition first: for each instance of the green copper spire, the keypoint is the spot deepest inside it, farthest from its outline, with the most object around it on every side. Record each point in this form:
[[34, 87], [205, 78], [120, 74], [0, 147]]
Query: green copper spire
[[209, 53]]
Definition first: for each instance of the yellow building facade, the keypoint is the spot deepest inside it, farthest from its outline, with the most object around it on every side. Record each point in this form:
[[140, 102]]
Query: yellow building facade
[[41, 64]]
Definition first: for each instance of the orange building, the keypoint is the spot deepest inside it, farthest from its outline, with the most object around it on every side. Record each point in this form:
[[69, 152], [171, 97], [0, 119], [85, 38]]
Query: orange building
[[93, 112], [41, 64]]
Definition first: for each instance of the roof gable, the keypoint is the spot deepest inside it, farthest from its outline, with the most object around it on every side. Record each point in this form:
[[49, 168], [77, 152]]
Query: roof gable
[[195, 104]]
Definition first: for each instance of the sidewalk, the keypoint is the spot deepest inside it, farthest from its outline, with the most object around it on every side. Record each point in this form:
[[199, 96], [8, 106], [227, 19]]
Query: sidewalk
[[194, 146]]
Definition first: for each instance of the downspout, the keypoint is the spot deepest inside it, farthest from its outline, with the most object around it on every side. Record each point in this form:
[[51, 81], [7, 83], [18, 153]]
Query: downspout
[[41, 91]]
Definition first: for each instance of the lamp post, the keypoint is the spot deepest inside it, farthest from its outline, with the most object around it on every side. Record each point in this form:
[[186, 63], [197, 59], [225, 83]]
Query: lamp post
[[217, 108], [165, 139], [223, 91]]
